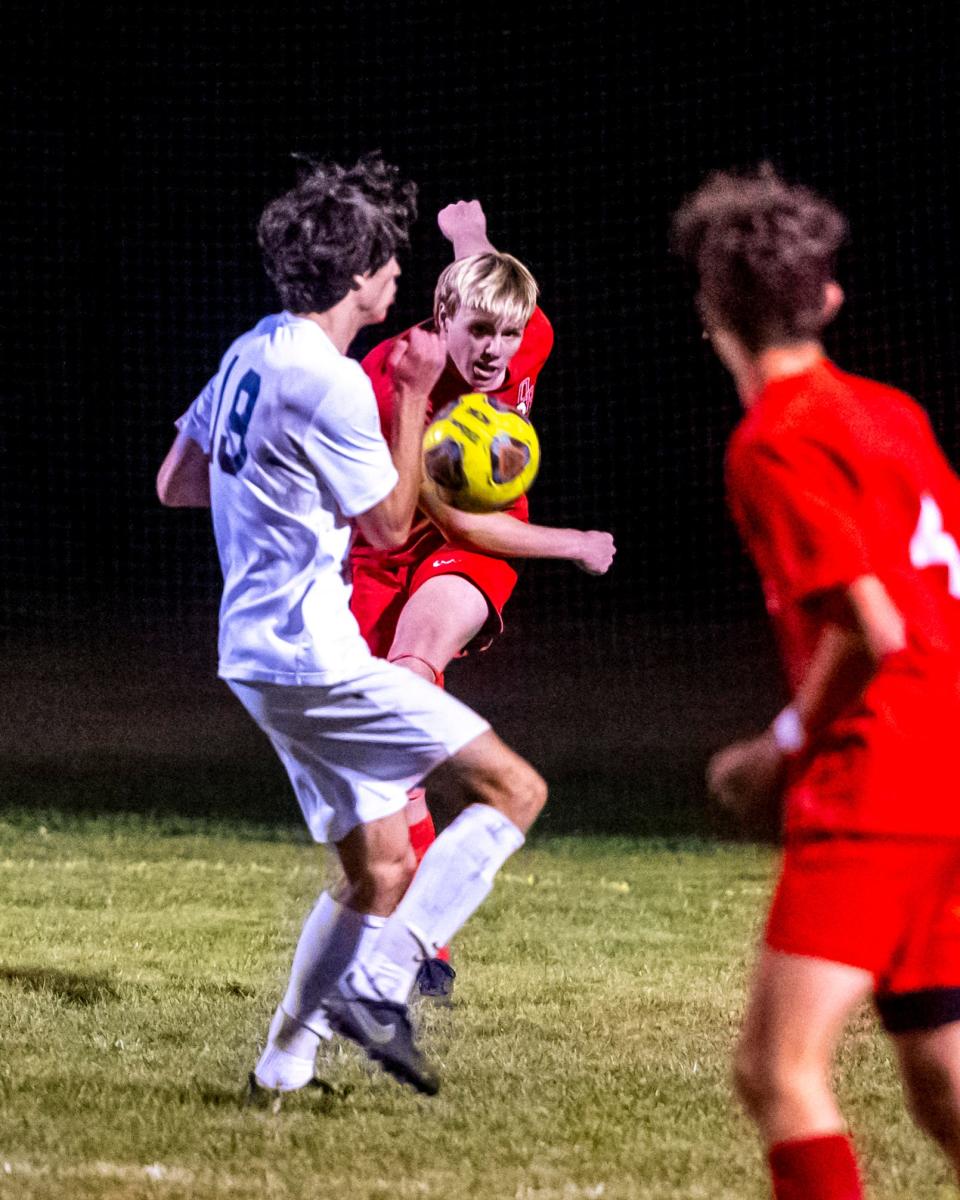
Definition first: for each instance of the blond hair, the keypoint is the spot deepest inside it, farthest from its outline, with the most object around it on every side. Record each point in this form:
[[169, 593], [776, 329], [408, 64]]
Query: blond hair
[[493, 283]]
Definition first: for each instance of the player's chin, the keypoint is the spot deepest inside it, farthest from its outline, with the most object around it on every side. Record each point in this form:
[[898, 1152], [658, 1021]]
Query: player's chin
[[486, 381], [382, 311]]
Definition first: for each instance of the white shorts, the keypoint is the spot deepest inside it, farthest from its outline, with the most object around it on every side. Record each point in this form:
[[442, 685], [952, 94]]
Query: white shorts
[[352, 749]]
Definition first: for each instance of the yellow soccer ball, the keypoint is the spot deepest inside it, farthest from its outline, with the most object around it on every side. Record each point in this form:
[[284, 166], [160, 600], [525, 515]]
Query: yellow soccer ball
[[481, 454]]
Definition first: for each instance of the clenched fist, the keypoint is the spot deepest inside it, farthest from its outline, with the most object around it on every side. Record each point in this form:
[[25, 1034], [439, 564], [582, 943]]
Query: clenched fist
[[416, 361], [596, 552], [464, 223]]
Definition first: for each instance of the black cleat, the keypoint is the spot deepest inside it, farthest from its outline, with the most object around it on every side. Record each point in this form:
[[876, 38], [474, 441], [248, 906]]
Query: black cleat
[[435, 978], [383, 1031]]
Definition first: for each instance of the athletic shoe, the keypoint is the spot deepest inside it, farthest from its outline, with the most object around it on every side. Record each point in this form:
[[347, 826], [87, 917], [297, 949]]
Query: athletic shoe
[[383, 1031], [435, 978], [257, 1096]]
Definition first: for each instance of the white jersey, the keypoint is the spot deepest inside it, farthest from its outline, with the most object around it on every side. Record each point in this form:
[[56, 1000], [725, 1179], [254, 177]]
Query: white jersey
[[293, 435]]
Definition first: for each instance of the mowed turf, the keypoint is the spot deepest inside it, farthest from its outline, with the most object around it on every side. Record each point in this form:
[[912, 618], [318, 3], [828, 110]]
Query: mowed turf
[[585, 1054]]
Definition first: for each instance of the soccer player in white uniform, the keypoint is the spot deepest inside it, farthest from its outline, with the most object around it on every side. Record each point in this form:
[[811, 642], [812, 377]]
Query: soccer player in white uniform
[[285, 445]]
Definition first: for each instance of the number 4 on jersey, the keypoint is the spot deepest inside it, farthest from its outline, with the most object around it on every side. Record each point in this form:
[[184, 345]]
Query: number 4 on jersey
[[932, 546], [232, 453]]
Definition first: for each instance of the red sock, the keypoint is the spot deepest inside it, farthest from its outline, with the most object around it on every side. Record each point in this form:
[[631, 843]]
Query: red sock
[[422, 837], [815, 1168]]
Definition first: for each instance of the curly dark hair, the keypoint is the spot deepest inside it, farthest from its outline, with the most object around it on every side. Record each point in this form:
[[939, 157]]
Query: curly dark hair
[[336, 223], [763, 250]]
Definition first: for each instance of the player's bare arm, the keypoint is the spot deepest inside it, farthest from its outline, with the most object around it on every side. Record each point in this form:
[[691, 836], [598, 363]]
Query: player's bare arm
[[503, 536], [868, 628], [183, 480], [464, 225], [415, 365]]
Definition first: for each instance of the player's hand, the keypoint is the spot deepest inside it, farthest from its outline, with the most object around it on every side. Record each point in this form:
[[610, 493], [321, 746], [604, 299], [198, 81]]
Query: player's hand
[[747, 780], [464, 224], [416, 361], [596, 552]]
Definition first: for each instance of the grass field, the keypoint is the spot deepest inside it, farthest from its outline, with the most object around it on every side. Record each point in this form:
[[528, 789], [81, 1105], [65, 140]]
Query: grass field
[[585, 1054]]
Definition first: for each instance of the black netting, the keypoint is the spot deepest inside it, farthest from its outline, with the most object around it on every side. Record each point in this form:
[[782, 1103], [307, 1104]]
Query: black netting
[[143, 141]]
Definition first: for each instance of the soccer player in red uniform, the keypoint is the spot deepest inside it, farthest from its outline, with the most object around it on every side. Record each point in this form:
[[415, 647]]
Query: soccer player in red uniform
[[442, 593], [851, 513]]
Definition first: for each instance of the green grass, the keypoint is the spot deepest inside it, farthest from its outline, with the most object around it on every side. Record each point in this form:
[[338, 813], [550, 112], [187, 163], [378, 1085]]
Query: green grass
[[585, 1055]]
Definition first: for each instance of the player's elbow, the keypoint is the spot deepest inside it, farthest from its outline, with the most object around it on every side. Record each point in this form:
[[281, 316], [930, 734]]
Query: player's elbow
[[387, 525], [183, 480], [177, 493], [881, 624], [886, 640], [166, 492], [386, 533], [380, 540]]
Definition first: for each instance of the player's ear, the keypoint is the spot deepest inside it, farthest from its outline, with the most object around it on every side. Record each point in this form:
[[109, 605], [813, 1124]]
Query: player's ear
[[832, 300], [443, 317]]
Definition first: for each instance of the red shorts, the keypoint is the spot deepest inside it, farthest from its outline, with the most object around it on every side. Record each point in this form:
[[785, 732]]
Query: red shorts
[[889, 907], [381, 588]]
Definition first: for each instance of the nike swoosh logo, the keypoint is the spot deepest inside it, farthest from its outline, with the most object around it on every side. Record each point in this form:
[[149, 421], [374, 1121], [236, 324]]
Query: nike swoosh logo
[[381, 1034], [443, 562]]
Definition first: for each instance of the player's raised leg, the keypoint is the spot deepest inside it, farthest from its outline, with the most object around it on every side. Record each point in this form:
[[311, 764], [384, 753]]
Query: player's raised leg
[[503, 796], [797, 1009], [442, 616]]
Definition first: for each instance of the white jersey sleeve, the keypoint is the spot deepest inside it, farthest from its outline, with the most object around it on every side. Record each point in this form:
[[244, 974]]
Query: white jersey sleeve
[[344, 443], [197, 422]]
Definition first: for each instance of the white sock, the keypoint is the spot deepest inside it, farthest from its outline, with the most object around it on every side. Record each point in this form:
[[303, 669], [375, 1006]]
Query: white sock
[[292, 1036], [453, 880], [331, 937], [281, 1071]]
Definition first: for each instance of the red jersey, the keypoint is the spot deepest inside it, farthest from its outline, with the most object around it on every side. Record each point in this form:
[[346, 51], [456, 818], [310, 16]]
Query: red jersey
[[831, 477], [516, 391]]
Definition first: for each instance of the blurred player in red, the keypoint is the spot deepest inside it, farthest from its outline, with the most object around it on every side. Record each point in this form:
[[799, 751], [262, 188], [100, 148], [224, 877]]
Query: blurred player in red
[[850, 512], [442, 593]]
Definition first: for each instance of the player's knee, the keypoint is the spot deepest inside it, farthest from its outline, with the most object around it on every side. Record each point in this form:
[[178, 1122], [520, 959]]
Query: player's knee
[[519, 792], [750, 1081], [490, 772], [763, 1080], [533, 796], [380, 886]]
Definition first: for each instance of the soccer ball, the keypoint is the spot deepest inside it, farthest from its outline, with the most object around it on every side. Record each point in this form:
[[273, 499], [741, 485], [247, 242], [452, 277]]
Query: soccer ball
[[481, 454]]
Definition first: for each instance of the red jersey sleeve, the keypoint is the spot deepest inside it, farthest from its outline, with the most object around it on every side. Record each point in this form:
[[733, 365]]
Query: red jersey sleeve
[[797, 504], [527, 363], [375, 366], [523, 372], [537, 343]]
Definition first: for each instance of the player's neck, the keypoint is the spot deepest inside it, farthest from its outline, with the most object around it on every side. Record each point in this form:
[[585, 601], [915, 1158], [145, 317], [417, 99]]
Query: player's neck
[[341, 324], [775, 363]]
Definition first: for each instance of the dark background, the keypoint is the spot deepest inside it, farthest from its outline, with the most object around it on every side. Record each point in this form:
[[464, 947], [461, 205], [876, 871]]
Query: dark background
[[142, 141]]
